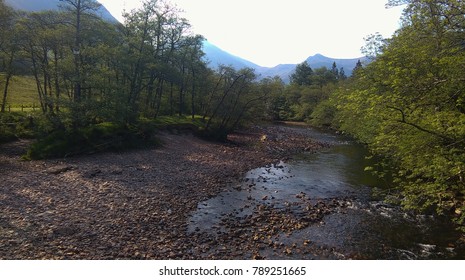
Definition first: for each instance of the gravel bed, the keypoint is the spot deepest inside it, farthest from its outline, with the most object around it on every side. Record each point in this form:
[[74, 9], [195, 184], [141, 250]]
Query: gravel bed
[[128, 205]]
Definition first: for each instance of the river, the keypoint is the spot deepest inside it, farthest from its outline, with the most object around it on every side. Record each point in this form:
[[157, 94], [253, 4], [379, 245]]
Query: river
[[348, 221]]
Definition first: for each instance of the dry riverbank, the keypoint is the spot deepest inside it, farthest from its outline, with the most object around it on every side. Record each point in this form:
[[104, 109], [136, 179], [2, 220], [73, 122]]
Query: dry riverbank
[[130, 205]]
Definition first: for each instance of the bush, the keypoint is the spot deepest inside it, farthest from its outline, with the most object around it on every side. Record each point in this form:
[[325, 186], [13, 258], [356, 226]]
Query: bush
[[16, 125], [324, 114], [96, 138], [218, 134], [6, 136]]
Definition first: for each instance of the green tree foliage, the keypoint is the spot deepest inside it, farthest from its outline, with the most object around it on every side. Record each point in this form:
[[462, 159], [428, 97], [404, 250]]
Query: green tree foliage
[[276, 106], [342, 74], [302, 74], [408, 105], [309, 88], [232, 98], [88, 71], [357, 67], [79, 9], [374, 45], [8, 50], [157, 43]]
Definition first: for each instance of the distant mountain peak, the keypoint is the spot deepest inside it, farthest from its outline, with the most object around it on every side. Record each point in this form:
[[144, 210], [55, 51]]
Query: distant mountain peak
[[217, 56], [319, 60], [46, 5]]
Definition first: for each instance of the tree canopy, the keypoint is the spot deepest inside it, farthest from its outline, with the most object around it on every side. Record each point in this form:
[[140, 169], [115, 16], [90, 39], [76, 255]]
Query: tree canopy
[[408, 105], [88, 71]]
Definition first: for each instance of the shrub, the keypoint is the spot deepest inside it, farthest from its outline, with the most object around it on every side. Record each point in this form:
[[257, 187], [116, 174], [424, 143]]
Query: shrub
[[96, 138]]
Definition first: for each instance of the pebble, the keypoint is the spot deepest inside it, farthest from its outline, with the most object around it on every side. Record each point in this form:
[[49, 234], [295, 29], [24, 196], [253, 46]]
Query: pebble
[[92, 200]]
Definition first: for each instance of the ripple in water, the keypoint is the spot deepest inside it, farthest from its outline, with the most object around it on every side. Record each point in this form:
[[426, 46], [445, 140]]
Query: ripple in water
[[354, 225]]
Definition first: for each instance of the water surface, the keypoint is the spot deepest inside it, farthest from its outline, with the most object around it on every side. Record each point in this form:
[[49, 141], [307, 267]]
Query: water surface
[[355, 226]]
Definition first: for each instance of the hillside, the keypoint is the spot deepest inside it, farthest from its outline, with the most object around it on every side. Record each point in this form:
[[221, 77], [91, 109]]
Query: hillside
[[44, 5], [216, 56]]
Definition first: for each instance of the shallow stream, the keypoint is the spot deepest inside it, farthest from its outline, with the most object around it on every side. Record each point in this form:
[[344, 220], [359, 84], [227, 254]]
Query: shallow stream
[[355, 225]]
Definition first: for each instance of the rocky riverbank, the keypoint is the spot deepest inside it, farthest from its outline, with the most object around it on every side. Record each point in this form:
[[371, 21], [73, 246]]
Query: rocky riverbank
[[129, 205]]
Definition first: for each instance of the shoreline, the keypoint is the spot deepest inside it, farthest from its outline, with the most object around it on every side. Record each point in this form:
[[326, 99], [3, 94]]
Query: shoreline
[[129, 205]]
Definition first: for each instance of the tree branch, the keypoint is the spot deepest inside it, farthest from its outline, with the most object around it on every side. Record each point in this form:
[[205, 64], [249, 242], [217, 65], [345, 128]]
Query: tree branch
[[404, 121]]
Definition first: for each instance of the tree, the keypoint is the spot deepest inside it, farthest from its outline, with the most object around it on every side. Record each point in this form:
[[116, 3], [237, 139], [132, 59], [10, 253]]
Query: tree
[[80, 9], [43, 42], [276, 105], [8, 49], [322, 76], [357, 68], [163, 56], [302, 74], [342, 74], [192, 55], [231, 100], [6, 20], [408, 105], [395, 3], [374, 45], [335, 71]]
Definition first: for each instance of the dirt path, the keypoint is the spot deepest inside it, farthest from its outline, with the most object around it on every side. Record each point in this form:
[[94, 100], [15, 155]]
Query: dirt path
[[130, 205]]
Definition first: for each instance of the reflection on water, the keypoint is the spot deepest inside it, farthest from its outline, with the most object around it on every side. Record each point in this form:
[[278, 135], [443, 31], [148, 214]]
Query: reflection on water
[[362, 228]]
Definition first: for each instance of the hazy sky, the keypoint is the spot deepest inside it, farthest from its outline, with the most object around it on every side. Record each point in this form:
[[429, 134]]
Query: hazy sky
[[271, 32]]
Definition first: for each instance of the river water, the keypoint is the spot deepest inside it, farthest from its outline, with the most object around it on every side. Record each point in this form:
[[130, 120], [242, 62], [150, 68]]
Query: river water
[[354, 224]]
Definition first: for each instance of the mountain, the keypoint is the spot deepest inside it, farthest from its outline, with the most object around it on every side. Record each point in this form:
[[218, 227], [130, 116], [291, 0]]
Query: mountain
[[44, 5], [216, 56], [319, 60], [282, 70]]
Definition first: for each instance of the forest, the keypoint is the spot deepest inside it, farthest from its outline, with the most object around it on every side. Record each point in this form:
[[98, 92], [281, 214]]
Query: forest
[[89, 72], [103, 84]]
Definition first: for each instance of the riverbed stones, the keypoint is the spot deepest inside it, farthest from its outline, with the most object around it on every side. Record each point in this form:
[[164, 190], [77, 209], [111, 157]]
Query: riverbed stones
[[134, 205]]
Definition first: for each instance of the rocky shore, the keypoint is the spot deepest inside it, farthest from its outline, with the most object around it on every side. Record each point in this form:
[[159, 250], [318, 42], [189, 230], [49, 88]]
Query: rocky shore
[[133, 204]]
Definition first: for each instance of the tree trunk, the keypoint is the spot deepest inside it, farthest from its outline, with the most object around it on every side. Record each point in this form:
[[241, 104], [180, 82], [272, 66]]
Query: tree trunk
[[182, 92], [193, 95], [57, 84], [9, 75], [159, 95], [77, 54], [225, 94], [171, 99], [5, 91]]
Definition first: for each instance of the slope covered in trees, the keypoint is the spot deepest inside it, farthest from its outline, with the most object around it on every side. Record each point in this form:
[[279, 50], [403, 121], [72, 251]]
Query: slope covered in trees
[[88, 71], [408, 106]]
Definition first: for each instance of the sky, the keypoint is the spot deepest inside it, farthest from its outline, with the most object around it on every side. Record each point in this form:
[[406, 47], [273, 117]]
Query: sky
[[272, 32]]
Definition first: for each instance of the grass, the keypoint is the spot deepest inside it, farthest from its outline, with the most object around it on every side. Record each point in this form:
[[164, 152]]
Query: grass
[[18, 109], [21, 92], [173, 121]]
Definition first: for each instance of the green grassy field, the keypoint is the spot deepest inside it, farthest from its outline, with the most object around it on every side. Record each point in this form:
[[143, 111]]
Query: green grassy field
[[22, 92], [178, 120]]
